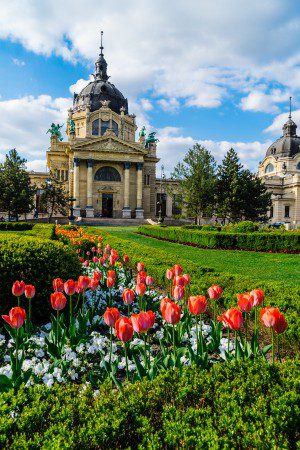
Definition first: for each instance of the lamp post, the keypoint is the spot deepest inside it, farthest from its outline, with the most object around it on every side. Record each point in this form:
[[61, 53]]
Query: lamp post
[[71, 216], [160, 213]]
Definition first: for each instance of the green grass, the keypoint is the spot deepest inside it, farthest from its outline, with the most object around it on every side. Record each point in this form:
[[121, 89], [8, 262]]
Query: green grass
[[260, 265]]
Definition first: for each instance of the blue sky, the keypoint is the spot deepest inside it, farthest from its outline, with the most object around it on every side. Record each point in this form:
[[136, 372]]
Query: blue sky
[[219, 73]]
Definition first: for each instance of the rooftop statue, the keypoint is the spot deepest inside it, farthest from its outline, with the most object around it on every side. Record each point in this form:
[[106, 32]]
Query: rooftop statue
[[142, 133], [71, 126], [54, 130], [151, 138]]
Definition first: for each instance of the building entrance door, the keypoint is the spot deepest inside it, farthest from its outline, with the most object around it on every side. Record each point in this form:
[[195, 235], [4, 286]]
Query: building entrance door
[[107, 205]]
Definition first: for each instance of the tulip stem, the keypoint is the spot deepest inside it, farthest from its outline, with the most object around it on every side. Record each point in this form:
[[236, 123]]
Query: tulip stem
[[273, 355], [17, 348], [110, 347], [235, 338], [228, 340], [128, 309], [201, 335], [145, 345], [71, 309], [246, 330], [255, 318], [57, 315], [197, 335], [126, 359], [174, 346], [18, 301]]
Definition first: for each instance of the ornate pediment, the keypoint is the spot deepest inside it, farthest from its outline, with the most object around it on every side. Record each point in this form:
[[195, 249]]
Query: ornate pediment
[[109, 144]]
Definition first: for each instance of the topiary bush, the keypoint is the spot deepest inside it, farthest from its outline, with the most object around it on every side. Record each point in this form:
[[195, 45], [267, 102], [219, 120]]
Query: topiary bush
[[233, 405], [15, 226], [37, 262], [246, 226]]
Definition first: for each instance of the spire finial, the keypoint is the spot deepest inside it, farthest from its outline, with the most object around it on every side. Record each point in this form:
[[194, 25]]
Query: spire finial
[[290, 114], [101, 46]]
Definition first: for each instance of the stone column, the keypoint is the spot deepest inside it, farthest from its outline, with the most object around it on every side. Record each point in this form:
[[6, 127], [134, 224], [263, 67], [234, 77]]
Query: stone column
[[126, 212], [139, 212], [169, 204], [76, 162], [89, 189]]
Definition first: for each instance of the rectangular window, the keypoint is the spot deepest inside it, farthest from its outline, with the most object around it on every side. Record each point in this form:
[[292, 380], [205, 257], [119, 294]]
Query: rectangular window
[[176, 204], [62, 176], [95, 128], [67, 175], [104, 126], [147, 180], [286, 211]]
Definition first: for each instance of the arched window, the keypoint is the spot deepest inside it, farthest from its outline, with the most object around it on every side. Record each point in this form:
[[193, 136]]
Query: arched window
[[107, 173], [95, 127], [115, 127], [269, 168], [298, 166], [104, 126]]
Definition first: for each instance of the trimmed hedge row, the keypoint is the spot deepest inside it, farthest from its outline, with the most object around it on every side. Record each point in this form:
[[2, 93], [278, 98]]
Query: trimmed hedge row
[[233, 405], [211, 239], [37, 262], [286, 298], [14, 226]]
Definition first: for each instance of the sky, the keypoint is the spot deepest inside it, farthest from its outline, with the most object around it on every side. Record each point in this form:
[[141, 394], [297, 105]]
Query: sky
[[219, 73]]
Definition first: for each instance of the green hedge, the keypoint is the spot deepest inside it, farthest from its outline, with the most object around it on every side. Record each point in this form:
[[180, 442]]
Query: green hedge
[[243, 241], [285, 297], [36, 261], [244, 405], [14, 226]]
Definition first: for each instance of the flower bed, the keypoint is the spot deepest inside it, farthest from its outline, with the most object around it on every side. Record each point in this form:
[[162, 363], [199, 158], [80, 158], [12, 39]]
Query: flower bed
[[110, 322]]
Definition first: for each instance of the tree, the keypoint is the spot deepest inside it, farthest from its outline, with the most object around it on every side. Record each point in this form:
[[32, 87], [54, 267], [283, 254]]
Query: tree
[[240, 194], [255, 196], [54, 198], [229, 188], [197, 182], [17, 192]]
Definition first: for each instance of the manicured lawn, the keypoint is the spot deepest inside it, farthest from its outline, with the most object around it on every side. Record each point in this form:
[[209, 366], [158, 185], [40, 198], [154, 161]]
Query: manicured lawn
[[266, 266]]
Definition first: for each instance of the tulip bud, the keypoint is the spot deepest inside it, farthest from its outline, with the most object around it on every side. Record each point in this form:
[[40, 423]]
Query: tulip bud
[[29, 291]]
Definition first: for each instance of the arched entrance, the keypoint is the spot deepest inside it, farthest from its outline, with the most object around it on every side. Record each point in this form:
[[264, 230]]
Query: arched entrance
[[107, 205]]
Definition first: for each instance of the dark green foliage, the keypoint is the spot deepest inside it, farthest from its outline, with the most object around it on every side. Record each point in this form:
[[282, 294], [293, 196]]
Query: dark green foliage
[[17, 226], [245, 241], [233, 405], [17, 192], [55, 198], [246, 226], [197, 181], [38, 262]]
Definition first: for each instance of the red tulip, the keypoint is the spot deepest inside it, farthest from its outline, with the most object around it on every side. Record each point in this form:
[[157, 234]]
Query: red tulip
[[177, 269], [83, 282], [269, 316], [86, 263], [70, 287], [124, 329], [58, 301], [93, 249], [187, 279], [170, 274], [95, 259], [97, 275], [233, 317], [257, 296], [29, 291], [214, 292], [113, 259], [93, 284], [88, 253], [140, 266], [110, 282], [224, 318], [140, 289], [171, 313], [245, 302], [151, 314], [18, 288], [58, 285], [16, 317], [179, 281], [110, 316], [111, 274], [141, 277], [149, 281], [128, 296], [126, 259], [107, 248], [197, 304], [78, 288], [141, 322], [280, 325], [102, 260], [178, 292], [163, 304]]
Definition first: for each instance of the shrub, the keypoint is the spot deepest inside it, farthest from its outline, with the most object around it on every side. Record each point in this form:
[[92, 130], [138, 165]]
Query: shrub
[[233, 405], [288, 242], [37, 262], [245, 226], [15, 226]]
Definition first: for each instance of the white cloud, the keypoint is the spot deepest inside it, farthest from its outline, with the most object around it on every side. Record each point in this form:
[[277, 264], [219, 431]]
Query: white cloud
[[195, 52], [169, 105], [257, 100], [79, 85], [275, 128], [146, 104], [18, 62], [173, 145], [24, 123]]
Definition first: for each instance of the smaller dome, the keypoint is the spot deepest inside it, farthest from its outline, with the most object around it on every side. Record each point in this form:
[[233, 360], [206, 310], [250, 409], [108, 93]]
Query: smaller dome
[[287, 145]]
